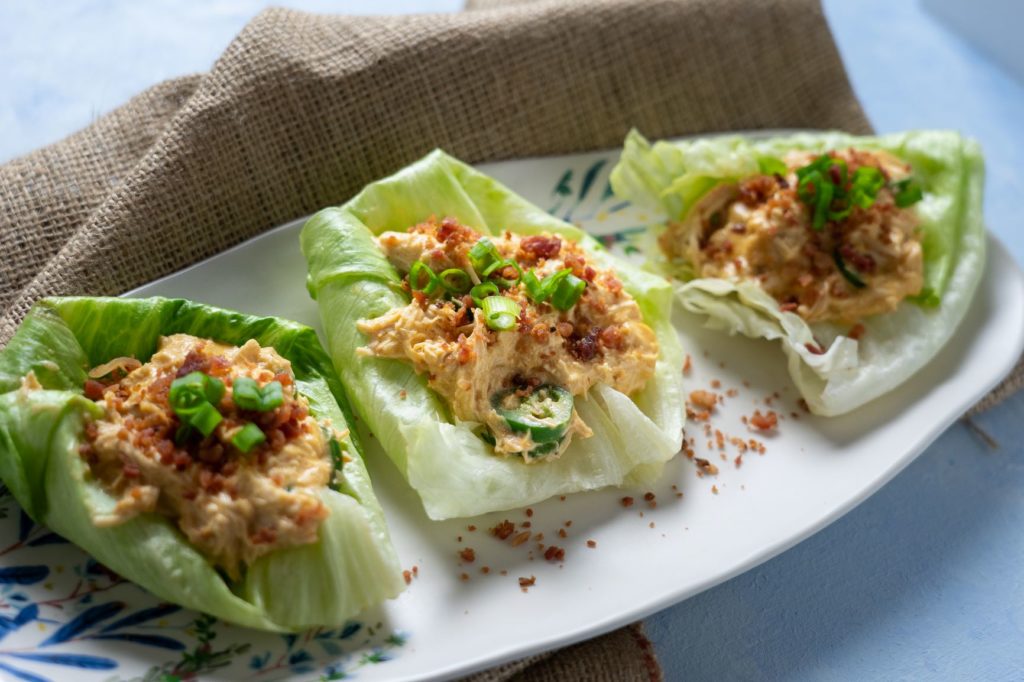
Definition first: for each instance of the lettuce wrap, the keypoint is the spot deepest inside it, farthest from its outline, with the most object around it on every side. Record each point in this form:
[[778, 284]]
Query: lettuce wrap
[[673, 176], [453, 470], [352, 565]]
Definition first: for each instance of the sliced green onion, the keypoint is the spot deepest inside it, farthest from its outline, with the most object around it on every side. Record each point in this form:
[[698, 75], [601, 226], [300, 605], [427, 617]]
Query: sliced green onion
[[248, 437], [534, 288], [907, 192], [483, 254], [417, 273], [545, 413], [455, 280], [568, 292], [205, 419], [500, 312], [821, 205], [846, 272], [482, 291], [188, 393], [248, 395]]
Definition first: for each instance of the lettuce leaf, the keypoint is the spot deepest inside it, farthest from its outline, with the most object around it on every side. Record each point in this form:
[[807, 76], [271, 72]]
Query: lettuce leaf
[[672, 176], [454, 472], [351, 567]]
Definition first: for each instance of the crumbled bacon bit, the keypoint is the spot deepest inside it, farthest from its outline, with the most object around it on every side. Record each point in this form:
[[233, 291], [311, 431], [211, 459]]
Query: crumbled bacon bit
[[715, 383], [471, 528], [485, 569], [503, 530], [764, 422], [525, 524], [468, 555], [714, 489], [407, 576], [540, 246], [591, 544], [529, 512], [612, 337], [554, 553], [464, 577], [738, 461], [568, 524], [627, 501], [857, 332], [688, 365], [565, 329], [526, 583], [93, 389], [562, 533]]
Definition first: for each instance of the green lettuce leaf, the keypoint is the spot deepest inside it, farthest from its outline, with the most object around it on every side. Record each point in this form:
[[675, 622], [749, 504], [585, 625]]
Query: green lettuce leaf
[[455, 473], [351, 567], [672, 176]]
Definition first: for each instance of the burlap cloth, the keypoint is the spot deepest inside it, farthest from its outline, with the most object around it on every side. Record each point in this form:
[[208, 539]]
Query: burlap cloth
[[301, 111]]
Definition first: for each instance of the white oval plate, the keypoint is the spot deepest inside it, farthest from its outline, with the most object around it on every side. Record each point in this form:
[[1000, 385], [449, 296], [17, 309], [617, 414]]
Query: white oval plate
[[63, 615]]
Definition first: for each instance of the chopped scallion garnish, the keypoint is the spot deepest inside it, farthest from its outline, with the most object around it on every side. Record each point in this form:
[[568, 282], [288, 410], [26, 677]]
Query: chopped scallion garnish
[[205, 419], [248, 437], [568, 292], [248, 395], [907, 192], [422, 278], [481, 291], [456, 281], [483, 255], [500, 312]]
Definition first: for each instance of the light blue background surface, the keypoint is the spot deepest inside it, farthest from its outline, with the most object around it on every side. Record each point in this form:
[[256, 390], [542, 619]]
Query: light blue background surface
[[925, 580]]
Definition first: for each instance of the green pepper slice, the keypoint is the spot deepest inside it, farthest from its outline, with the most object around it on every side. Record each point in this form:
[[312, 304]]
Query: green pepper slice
[[545, 413]]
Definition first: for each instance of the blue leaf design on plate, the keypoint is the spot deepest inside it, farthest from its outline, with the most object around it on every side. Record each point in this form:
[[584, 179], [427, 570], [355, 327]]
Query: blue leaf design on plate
[[23, 575], [48, 539], [589, 178], [146, 640], [27, 614], [298, 657], [142, 616], [22, 674], [75, 660], [84, 621], [289, 640], [25, 524]]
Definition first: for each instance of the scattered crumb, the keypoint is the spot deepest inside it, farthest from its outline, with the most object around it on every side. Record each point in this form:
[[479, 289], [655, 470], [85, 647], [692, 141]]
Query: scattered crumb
[[521, 538], [561, 498], [764, 422], [471, 529], [714, 489], [402, 394], [554, 553], [562, 533], [526, 583], [715, 383], [503, 530], [458, 538], [468, 555], [688, 365], [706, 466], [738, 461], [525, 524], [464, 577], [591, 544], [485, 569], [503, 572], [407, 576], [651, 502], [704, 399], [651, 524], [627, 501], [529, 512], [568, 524]]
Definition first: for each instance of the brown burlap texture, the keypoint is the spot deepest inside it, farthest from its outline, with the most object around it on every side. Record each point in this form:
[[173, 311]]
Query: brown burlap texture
[[301, 111]]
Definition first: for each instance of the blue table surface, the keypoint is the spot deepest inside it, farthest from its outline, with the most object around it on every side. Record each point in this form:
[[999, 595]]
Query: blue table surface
[[921, 581]]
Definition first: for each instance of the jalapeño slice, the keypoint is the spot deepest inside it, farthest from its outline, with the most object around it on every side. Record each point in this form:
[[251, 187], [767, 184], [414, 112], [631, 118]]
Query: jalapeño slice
[[545, 413]]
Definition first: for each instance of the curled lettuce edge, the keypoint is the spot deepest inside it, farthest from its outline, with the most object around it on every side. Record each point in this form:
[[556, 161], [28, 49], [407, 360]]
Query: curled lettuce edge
[[454, 472], [672, 176], [352, 566]]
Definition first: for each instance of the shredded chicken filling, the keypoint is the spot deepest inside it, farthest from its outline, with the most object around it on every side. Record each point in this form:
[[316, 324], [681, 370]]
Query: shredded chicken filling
[[759, 230], [601, 339], [233, 507]]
